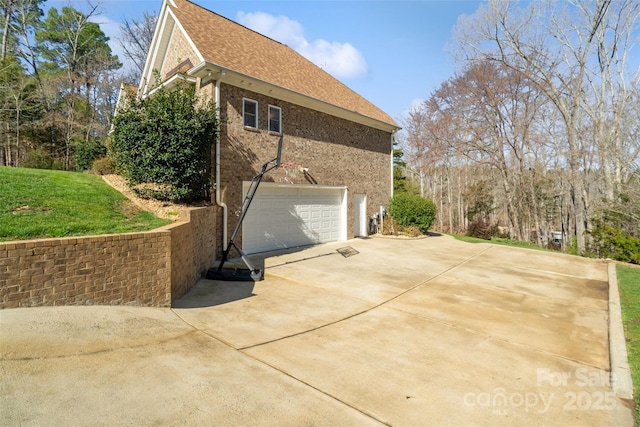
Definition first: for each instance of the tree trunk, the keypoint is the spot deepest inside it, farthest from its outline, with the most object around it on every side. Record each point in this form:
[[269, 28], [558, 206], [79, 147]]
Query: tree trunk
[[5, 34]]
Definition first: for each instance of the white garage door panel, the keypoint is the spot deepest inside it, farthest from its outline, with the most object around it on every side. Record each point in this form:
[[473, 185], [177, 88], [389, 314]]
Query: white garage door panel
[[289, 216]]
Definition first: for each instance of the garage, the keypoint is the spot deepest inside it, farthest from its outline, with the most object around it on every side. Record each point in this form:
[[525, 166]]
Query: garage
[[285, 216]]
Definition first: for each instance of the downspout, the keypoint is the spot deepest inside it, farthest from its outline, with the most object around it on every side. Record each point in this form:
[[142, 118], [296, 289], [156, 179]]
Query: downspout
[[217, 166], [392, 141]]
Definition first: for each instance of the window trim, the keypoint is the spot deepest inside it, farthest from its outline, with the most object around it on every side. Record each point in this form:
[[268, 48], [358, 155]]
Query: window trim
[[279, 121], [244, 113]]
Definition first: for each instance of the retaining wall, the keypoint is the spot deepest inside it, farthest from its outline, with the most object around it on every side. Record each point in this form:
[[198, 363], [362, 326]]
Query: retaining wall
[[151, 268]]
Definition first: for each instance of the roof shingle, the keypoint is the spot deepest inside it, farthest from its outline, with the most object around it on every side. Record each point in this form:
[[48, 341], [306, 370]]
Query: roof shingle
[[227, 43]]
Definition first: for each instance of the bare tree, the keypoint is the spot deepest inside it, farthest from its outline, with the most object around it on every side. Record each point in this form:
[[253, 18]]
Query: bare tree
[[415, 146], [611, 109], [136, 39], [21, 18], [6, 6], [555, 46], [485, 115]]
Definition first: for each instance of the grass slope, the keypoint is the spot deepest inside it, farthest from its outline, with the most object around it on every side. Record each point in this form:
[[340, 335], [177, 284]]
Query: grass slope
[[37, 203], [500, 241], [629, 284]]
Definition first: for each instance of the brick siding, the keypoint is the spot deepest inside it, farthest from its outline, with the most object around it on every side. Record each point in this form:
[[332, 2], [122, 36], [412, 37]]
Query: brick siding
[[148, 269], [178, 50], [336, 151]]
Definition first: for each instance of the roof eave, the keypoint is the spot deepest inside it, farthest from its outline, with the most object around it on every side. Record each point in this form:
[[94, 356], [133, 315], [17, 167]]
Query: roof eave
[[171, 83], [210, 71]]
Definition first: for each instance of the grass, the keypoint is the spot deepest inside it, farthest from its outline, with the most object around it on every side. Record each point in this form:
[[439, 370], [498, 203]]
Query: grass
[[37, 203], [629, 285], [501, 241]]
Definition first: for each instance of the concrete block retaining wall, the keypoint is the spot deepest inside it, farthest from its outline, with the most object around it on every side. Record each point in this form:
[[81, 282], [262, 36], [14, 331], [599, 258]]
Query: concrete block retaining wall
[[148, 269]]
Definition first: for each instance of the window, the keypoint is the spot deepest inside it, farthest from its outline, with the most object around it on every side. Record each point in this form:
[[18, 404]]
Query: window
[[250, 113], [275, 119]]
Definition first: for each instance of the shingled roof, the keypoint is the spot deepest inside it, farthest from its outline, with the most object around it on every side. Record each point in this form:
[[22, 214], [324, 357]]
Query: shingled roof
[[228, 44]]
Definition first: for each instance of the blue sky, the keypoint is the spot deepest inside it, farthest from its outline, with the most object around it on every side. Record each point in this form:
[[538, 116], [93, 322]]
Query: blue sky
[[391, 52]]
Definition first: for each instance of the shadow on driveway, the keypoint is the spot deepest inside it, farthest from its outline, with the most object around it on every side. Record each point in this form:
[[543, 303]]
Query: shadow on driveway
[[210, 293], [401, 332]]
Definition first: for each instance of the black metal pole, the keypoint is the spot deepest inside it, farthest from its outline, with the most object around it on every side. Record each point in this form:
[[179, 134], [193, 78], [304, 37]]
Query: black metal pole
[[245, 207], [253, 188]]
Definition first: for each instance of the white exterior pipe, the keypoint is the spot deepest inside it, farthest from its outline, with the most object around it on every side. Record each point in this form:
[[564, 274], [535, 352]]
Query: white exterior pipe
[[218, 198]]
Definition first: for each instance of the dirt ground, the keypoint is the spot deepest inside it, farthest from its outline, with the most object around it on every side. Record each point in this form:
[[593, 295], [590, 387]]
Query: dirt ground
[[159, 208]]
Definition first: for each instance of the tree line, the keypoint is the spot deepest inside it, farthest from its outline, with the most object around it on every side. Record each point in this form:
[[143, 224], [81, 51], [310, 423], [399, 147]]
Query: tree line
[[537, 136], [59, 83]]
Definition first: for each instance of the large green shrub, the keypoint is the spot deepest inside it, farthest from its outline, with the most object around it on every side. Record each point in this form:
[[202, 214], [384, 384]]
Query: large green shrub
[[85, 152], [616, 232], [613, 242], [164, 142], [412, 210]]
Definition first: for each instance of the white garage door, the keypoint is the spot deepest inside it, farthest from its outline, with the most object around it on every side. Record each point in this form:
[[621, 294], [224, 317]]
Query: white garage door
[[285, 216]]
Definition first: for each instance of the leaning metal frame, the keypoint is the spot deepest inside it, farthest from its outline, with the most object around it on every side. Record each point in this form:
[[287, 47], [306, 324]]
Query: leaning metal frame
[[255, 182]]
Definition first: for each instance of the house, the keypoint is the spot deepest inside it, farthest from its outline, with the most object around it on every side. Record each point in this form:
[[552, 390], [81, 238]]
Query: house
[[337, 150]]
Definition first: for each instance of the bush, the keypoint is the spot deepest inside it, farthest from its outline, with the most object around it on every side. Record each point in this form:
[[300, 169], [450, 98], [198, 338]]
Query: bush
[[616, 231], [85, 152], [103, 166], [40, 158], [613, 242], [409, 210], [411, 231], [165, 140], [480, 229]]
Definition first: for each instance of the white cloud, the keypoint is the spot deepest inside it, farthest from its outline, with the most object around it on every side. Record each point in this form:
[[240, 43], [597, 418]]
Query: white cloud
[[279, 28], [342, 60], [339, 59]]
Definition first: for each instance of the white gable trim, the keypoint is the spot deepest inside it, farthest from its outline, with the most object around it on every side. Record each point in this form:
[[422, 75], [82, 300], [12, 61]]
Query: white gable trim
[[171, 82], [121, 103], [165, 28], [186, 36], [168, 24], [158, 47]]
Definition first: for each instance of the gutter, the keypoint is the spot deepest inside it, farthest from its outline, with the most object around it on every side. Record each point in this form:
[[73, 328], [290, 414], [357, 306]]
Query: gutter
[[219, 201], [241, 80]]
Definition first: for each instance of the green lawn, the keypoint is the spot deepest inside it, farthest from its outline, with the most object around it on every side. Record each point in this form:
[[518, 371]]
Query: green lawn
[[501, 241], [37, 203], [629, 284]]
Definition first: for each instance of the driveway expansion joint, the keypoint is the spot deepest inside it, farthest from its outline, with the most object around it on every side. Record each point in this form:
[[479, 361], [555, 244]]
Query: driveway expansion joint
[[373, 307], [450, 350]]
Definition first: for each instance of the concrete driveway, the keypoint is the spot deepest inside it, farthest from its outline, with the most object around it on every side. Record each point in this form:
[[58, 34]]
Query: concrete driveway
[[402, 332]]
